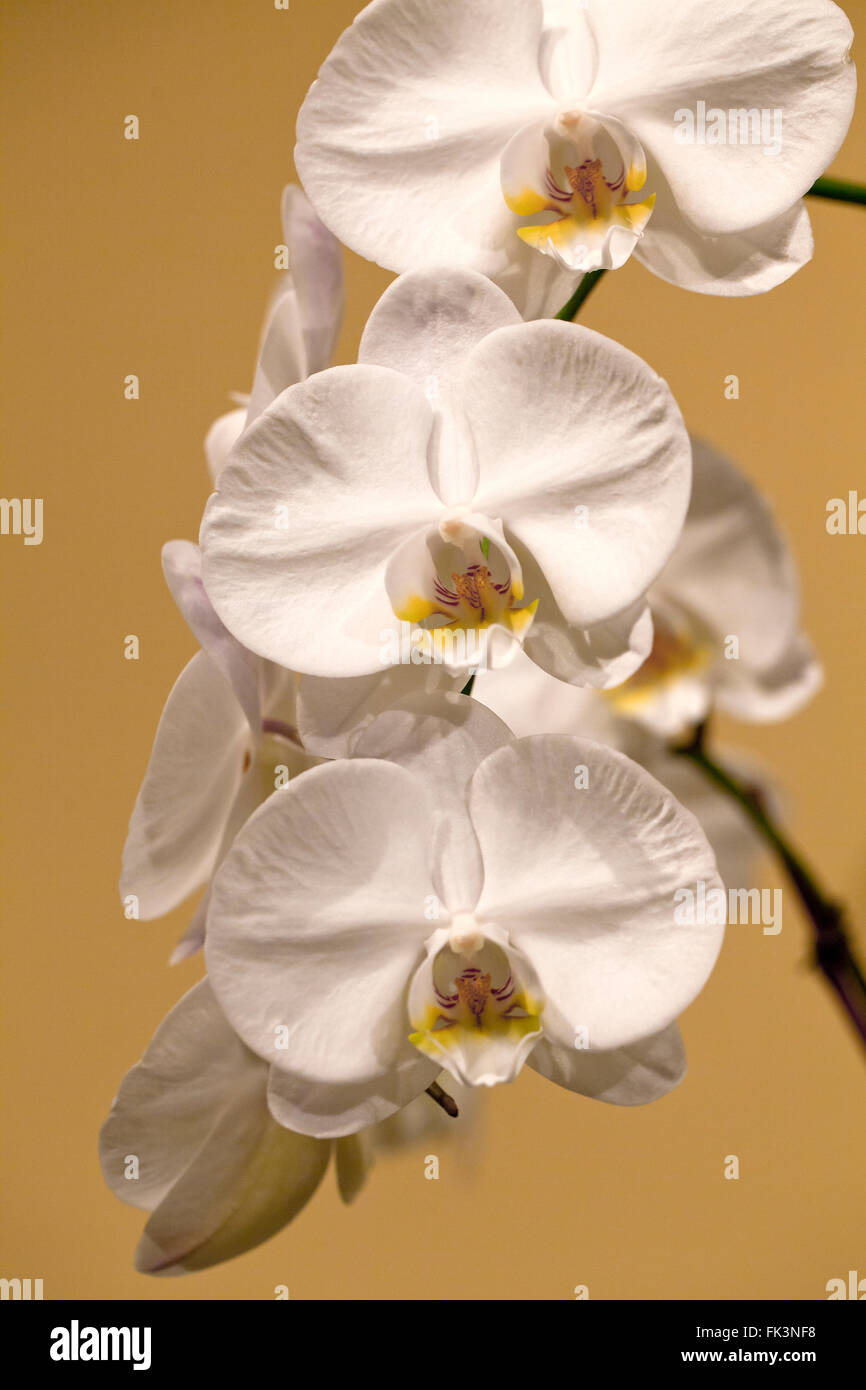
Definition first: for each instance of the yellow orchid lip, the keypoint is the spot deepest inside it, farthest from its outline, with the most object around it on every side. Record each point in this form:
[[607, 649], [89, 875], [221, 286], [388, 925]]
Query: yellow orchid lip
[[477, 1008], [678, 650], [484, 591], [472, 1007], [578, 171], [526, 203], [415, 608]]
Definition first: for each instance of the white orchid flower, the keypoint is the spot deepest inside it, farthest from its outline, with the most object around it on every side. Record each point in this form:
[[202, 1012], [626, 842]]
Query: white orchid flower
[[228, 737], [480, 481], [190, 1140], [448, 898], [570, 132], [302, 324], [299, 339], [531, 702], [332, 712], [726, 615], [225, 741], [234, 729]]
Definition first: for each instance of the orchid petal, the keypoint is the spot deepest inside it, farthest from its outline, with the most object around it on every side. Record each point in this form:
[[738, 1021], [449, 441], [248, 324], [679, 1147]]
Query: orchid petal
[[331, 1110], [538, 285], [221, 439], [274, 758], [532, 702], [441, 739], [181, 565], [191, 780], [425, 325], [738, 263], [282, 358], [768, 696], [410, 112], [735, 841], [584, 882], [316, 268], [331, 712], [634, 1075], [600, 656], [603, 441], [316, 923], [217, 1173], [318, 493], [192, 940], [785, 56], [568, 56], [194, 1071], [734, 571], [214, 1214]]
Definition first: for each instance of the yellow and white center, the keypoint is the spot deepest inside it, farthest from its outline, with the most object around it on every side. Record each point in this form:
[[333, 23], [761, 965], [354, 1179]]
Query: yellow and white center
[[463, 578], [471, 1010], [672, 687], [572, 180]]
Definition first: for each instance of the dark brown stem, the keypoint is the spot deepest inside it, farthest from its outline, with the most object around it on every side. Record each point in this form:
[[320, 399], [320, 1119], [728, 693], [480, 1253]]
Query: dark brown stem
[[833, 954], [442, 1098]]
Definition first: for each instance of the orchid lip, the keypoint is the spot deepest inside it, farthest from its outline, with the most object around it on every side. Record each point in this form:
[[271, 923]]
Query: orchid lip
[[576, 173], [682, 649], [471, 1009], [461, 575]]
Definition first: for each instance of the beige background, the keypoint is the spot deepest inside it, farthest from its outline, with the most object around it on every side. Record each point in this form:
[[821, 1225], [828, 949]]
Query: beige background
[[156, 258]]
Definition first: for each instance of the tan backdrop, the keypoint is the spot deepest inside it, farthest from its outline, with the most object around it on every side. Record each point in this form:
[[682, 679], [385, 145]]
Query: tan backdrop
[[155, 258]]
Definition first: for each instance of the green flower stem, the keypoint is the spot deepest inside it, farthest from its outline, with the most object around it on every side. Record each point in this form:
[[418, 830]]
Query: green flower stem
[[583, 291], [842, 190], [832, 949]]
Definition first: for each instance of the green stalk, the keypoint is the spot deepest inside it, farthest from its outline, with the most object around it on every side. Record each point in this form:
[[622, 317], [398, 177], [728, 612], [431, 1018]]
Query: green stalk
[[842, 190], [583, 291]]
